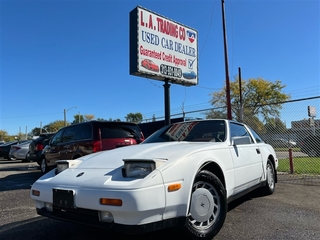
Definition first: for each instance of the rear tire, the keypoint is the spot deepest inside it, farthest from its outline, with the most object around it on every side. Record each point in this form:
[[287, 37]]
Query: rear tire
[[43, 166], [208, 207], [270, 179]]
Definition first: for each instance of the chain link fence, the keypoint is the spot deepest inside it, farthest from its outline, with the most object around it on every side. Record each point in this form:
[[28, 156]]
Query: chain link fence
[[295, 135]]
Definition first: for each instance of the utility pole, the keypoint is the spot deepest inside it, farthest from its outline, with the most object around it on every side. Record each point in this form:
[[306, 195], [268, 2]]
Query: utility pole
[[65, 117], [226, 63], [240, 93]]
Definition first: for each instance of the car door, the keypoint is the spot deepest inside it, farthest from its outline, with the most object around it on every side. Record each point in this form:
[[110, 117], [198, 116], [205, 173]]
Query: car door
[[52, 150], [67, 143], [248, 168]]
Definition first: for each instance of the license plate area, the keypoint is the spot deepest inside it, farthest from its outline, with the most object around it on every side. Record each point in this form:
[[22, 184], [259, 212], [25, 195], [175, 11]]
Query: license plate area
[[63, 198]]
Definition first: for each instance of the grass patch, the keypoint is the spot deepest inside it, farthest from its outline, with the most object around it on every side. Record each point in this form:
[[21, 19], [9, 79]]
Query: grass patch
[[301, 165]]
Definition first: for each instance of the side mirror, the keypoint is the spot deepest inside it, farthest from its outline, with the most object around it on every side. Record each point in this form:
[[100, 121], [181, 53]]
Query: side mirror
[[241, 140]]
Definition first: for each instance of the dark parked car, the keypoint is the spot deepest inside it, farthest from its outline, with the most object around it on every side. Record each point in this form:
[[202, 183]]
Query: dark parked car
[[311, 145], [5, 149], [80, 139], [36, 147]]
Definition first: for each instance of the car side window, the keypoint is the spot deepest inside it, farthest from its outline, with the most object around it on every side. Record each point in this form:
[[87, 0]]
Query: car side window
[[238, 130], [57, 138], [256, 136], [84, 131], [114, 132], [69, 134]]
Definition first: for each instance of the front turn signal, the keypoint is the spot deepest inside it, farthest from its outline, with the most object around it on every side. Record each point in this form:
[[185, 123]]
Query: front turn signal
[[111, 201], [36, 193]]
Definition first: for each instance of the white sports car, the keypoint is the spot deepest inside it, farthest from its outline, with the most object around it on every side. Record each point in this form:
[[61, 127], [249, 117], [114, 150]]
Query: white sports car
[[184, 175]]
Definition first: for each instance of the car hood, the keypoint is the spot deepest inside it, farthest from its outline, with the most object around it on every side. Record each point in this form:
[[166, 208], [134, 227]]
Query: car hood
[[165, 151], [104, 168]]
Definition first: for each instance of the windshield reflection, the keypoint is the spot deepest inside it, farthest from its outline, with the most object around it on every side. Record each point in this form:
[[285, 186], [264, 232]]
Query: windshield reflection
[[194, 131]]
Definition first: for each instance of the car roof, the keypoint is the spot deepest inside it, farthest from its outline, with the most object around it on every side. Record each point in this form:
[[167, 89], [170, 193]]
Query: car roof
[[106, 122], [8, 143], [46, 134]]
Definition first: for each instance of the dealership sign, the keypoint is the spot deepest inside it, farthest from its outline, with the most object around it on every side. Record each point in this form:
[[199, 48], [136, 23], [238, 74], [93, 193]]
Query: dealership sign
[[162, 49]]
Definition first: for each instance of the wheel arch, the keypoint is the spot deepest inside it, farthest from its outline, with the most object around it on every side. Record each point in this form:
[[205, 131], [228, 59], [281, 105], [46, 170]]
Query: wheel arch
[[214, 168]]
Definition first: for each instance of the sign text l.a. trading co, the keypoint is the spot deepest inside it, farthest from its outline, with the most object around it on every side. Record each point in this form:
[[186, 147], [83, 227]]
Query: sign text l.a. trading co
[[162, 49]]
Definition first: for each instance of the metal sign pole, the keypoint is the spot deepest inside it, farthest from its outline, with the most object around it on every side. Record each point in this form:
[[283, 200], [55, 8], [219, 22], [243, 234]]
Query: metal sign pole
[[167, 101]]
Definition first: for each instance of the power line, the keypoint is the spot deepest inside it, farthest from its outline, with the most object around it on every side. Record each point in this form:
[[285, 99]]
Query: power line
[[37, 115]]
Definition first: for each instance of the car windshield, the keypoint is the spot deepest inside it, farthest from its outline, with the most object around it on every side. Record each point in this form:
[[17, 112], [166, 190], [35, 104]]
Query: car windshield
[[195, 131]]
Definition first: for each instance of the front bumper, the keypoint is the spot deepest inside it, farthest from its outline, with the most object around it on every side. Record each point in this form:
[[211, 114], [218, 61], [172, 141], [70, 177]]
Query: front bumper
[[34, 157], [146, 203], [139, 206]]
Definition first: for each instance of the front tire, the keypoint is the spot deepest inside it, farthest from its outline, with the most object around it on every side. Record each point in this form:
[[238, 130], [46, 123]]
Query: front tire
[[208, 207]]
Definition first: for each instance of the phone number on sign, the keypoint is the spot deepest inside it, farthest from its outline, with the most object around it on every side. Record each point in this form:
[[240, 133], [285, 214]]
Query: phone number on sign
[[170, 71]]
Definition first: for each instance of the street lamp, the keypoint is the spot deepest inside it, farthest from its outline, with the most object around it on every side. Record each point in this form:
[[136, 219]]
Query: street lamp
[[65, 115]]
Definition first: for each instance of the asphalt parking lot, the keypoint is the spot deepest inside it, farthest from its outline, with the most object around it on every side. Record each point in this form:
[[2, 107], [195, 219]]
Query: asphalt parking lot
[[292, 212]]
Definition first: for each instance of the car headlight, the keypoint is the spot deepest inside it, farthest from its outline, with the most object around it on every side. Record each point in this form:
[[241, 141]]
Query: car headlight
[[140, 168], [65, 164], [61, 166], [137, 169]]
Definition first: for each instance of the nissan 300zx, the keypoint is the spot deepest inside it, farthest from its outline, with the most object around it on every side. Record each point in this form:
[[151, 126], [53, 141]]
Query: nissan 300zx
[[184, 175]]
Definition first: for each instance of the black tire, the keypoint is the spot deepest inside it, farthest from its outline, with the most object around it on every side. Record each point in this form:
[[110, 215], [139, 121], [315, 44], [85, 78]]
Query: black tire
[[270, 186], [208, 207], [43, 166], [39, 162]]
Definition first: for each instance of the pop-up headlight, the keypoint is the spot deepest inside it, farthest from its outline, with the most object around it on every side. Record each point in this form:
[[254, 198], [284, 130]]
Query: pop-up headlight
[[61, 166], [65, 164], [139, 168]]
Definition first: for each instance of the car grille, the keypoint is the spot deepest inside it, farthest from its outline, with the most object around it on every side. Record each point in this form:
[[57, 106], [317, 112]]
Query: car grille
[[79, 215]]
